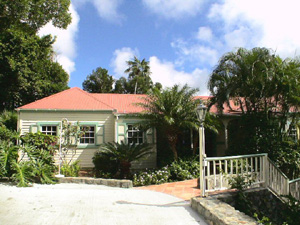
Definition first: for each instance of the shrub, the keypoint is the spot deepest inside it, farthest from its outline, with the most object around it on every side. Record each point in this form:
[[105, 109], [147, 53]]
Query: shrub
[[23, 173], [184, 169], [151, 177], [9, 119], [40, 141], [8, 135], [123, 154], [70, 169], [104, 166], [181, 169], [8, 155]]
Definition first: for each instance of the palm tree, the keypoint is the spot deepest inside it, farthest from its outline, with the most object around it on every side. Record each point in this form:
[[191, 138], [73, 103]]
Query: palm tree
[[171, 110], [139, 72], [124, 154], [250, 76]]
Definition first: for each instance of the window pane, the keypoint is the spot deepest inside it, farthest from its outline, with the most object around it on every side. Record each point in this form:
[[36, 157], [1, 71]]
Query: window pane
[[49, 130], [134, 135], [88, 136]]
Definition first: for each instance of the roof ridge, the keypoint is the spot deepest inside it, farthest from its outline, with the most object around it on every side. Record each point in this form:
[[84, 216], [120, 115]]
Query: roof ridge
[[50, 96], [115, 94], [90, 95]]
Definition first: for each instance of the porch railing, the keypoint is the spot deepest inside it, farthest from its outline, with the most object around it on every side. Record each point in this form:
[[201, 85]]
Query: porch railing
[[295, 188], [257, 169]]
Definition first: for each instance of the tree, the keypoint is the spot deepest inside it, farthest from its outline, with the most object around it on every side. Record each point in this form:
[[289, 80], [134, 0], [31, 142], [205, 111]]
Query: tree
[[258, 80], [139, 76], [171, 110], [9, 119], [266, 90], [28, 71], [34, 14], [98, 82]]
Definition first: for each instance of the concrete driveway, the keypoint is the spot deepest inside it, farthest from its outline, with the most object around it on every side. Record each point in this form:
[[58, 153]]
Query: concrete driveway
[[91, 204]]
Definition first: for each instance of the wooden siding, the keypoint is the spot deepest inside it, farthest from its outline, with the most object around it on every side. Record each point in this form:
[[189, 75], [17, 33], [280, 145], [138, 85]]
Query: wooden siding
[[150, 136], [28, 121]]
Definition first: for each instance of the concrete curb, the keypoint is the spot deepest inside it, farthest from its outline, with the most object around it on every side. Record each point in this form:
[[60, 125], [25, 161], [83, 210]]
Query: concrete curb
[[216, 212], [97, 181]]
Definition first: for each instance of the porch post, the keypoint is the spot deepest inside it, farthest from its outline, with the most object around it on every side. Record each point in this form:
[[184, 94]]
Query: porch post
[[225, 123]]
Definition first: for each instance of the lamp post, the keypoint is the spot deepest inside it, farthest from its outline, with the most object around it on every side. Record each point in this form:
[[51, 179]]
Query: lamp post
[[201, 112], [60, 150]]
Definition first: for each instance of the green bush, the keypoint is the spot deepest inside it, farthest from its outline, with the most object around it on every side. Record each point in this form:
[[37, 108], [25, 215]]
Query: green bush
[[9, 119], [151, 177], [40, 141], [8, 135], [71, 169], [181, 169], [104, 166], [8, 155], [184, 169], [123, 154]]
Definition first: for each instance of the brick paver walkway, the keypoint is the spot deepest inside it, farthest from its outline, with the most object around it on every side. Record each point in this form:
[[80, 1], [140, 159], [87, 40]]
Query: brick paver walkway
[[183, 189]]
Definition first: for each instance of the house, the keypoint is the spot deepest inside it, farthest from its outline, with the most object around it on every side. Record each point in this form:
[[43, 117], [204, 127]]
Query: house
[[107, 117]]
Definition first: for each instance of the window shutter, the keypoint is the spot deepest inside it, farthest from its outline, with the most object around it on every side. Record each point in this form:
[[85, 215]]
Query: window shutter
[[150, 136], [121, 132], [33, 128], [99, 134]]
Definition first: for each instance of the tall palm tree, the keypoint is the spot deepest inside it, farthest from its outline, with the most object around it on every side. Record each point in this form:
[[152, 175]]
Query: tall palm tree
[[171, 110], [138, 71]]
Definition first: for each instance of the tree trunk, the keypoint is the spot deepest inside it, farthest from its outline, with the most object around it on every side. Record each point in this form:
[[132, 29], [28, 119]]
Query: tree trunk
[[125, 169], [135, 87], [173, 141]]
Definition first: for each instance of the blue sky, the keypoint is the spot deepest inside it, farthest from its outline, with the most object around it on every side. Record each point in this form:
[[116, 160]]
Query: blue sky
[[182, 40]]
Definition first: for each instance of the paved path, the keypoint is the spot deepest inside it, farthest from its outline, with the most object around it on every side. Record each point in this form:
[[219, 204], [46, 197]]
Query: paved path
[[182, 189], [91, 204]]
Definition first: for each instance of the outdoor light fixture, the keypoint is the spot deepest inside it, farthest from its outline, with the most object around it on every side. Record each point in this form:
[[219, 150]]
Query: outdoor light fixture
[[201, 112]]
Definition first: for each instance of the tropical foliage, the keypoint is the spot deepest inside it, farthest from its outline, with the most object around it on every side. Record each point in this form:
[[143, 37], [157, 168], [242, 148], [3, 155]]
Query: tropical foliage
[[9, 119], [266, 92], [182, 169], [171, 110], [139, 76], [123, 154]]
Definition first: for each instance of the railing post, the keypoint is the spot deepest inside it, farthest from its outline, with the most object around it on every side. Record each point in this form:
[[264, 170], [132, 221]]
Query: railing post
[[266, 170]]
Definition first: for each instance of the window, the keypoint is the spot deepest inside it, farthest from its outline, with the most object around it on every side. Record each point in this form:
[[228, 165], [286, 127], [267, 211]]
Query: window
[[49, 130], [88, 136], [134, 135]]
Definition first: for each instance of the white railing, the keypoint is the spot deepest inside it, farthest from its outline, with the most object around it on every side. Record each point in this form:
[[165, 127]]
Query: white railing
[[276, 180], [219, 170], [258, 169], [295, 188]]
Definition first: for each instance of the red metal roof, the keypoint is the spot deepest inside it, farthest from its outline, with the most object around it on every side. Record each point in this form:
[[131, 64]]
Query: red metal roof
[[123, 103], [77, 99], [71, 99]]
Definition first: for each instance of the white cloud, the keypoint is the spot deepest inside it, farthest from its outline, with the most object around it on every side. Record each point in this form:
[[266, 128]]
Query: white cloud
[[65, 46], [195, 53], [168, 75], [267, 23], [121, 56], [174, 9], [107, 9], [204, 34]]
